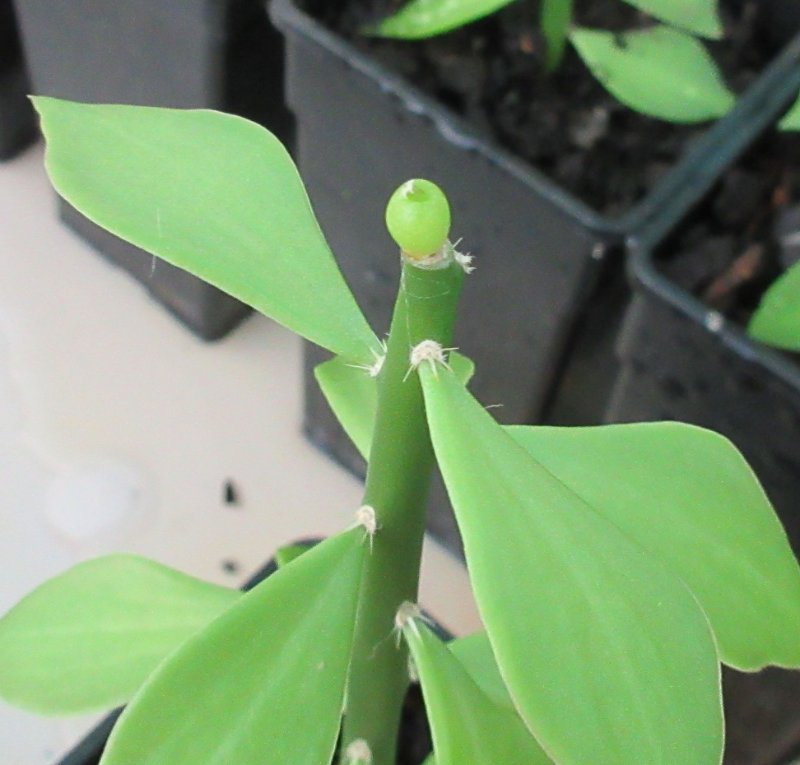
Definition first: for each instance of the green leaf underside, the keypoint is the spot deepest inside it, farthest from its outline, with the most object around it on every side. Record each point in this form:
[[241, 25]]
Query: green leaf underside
[[262, 683], [791, 120], [353, 395], [419, 19], [474, 652], [286, 554], [698, 16], [688, 498], [467, 726], [86, 640], [607, 654], [213, 194], [776, 321], [660, 72]]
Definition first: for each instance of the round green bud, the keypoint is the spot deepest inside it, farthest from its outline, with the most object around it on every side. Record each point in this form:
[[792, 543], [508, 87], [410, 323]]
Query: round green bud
[[418, 218]]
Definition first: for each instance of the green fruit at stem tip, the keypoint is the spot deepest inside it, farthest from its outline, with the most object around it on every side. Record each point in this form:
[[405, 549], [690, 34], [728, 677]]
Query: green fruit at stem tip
[[418, 218]]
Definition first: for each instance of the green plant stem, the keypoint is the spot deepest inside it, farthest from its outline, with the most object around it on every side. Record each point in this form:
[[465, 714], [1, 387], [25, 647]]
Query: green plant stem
[[398, 476], [555, 20]]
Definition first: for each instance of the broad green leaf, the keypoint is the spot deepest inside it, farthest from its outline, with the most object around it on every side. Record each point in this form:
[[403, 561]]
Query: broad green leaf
[[353, 395], [555, 19], [688, 497], [86, 640], [606, 653], [660, 72], [776, 321], [791, 120], [698, 16], [419, 19], [474, 652], [468, 727], [263, 683], [211, 193]]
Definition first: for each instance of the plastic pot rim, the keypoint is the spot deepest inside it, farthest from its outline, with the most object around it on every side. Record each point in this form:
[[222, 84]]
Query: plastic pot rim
[[645, 276]]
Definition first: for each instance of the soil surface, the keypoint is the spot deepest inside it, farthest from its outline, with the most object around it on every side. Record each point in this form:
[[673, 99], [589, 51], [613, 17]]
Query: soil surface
[[565, 124], [745, 233]]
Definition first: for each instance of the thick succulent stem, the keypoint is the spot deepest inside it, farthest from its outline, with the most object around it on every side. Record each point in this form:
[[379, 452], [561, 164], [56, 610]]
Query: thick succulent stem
[[398, 476]]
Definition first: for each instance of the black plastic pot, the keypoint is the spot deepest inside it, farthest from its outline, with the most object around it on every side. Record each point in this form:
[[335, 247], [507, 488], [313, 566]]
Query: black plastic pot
[[17, 124], [195, 54], [541, 320]]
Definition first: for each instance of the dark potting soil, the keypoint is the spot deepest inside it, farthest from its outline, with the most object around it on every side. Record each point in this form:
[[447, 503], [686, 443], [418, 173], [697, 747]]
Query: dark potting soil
[[566, 124], [745, 233]]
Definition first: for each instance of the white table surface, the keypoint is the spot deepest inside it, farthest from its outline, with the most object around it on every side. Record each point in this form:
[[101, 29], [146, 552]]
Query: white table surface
[[118, 430]]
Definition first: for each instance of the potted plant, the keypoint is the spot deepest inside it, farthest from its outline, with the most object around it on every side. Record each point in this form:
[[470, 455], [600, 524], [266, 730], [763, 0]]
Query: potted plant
[[614, 567], [16, 115], [199, 54], [360, 104]]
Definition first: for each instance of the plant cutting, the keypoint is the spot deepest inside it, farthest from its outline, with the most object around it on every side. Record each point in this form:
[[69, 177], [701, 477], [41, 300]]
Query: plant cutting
[[662, 71], [614, 567]]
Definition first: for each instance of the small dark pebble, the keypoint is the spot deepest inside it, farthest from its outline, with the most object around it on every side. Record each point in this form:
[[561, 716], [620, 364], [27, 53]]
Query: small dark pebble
[[230, 494]]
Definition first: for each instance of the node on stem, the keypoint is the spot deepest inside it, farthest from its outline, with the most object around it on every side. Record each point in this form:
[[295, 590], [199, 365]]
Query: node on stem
[[358, 752]]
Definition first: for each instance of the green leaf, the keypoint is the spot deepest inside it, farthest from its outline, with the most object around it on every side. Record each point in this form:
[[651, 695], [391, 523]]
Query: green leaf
[[776, 321], [286, 554], [606, 653], [467, 725], [474, 652], [262, 683], [688, 497], [353, 395], [791, 120], [211, 193], [87, 639], [698, 16], [419, 19], [660, 72], [555, 19]]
